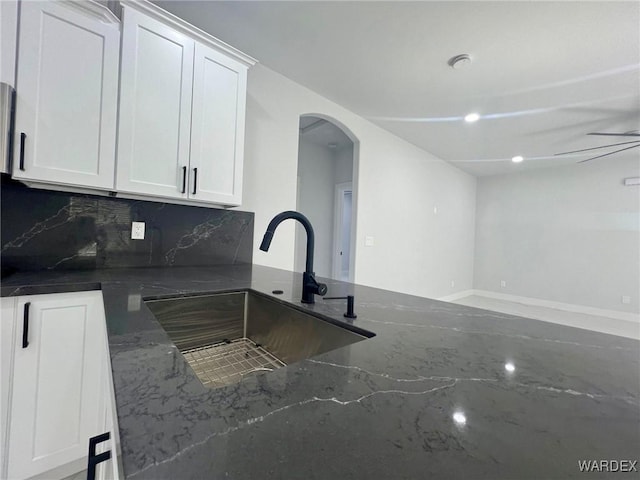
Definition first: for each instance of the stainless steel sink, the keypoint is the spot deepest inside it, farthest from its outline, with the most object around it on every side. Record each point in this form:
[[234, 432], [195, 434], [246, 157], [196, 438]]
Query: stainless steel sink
[[229, 335]]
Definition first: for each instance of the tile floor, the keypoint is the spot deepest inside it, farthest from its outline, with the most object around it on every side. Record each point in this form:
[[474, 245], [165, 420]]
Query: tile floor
[[612, 326]]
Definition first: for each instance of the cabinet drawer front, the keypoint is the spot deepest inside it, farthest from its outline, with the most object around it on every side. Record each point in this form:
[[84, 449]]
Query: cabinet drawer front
[[155, 107], [217, 138], [67, 88]]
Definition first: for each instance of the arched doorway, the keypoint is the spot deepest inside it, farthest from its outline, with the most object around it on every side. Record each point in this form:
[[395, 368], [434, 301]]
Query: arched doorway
[[327, 183]]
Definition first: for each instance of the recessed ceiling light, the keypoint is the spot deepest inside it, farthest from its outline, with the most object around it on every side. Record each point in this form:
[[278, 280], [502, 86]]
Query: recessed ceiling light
[[517, 159], [460, 61], [472, 117], [509, 367]]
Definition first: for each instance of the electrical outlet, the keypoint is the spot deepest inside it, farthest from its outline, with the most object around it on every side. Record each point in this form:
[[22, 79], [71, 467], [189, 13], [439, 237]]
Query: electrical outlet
[[453, 283], [626, 299], [133, 302], [369, 241], [503, 283], [435, 210], [137, 230]]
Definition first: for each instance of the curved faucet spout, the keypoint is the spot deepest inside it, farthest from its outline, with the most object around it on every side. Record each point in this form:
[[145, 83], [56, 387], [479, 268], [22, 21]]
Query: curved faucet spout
[[310, 285], [277, 220]]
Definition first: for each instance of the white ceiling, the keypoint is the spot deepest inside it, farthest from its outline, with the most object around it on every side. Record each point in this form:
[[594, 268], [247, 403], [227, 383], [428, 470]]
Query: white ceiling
[[321, 132], [543, 74]]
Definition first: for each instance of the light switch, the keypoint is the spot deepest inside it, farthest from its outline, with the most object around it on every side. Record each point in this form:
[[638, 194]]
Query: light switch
[[369, 241]]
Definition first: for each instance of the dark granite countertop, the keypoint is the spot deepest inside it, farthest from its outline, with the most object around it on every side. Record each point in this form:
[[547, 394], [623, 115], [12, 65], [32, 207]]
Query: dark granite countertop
[[382, 408]]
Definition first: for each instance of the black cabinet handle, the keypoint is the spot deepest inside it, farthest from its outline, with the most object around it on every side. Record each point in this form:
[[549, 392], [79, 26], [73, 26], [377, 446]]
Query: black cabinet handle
[[184, 179], [23, 138], [195, 180], [25, 325], [96, 459]]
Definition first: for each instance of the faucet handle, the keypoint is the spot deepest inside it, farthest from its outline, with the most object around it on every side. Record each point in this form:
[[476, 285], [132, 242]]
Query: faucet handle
[[350, 305], [317, 287], [311, 287]]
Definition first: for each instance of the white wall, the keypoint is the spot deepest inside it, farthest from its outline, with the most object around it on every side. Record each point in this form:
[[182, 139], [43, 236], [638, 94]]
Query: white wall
[[569, 234], [398, 185], [316, 169], [343, 158], [8, 35]]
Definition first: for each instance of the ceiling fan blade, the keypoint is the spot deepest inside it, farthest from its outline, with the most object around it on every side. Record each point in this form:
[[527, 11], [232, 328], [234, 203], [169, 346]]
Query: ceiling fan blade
[[615, 134], [596, 148], [610, 153]]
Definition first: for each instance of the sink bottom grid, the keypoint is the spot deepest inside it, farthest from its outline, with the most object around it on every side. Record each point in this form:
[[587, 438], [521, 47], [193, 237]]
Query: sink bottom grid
[[226, 363]]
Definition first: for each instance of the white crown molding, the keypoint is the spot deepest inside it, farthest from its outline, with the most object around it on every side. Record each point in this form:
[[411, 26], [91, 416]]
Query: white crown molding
[[96, 10], [161, 15]]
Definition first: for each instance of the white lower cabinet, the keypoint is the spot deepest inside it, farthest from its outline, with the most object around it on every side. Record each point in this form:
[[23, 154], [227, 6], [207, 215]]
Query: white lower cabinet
[[7, 323], [59, 384]]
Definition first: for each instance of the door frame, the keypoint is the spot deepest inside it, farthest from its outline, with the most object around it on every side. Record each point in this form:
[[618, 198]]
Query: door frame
[[338, 210], [353, 263]]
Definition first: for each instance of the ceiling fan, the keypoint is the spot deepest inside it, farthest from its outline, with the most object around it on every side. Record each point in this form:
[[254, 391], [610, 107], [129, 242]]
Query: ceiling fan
[[632, 143]]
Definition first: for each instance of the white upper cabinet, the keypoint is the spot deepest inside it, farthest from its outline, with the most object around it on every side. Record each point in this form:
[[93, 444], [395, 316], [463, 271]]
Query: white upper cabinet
[[182, 110], [182, 96], [67, 93], [217, 131], [155, 107]]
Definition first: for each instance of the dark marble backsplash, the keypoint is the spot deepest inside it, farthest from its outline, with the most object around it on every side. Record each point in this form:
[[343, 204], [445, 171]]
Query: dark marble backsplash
[[47, 230]]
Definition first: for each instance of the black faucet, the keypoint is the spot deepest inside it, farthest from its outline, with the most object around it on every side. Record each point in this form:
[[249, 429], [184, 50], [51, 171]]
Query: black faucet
[[310, 286]]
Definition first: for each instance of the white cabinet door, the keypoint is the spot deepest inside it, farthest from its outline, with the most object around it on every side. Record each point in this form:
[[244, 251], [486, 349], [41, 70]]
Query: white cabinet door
[[217, 132], [57, 381], [67, 93], [110, 469], [155, 107]]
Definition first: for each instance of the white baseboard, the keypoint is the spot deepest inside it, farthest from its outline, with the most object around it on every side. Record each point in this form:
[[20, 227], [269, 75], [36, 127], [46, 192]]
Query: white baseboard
[[457, 296], [568, 307], [66, 470]]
